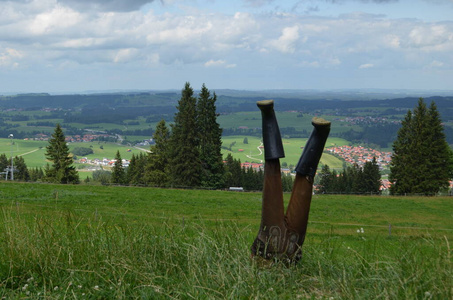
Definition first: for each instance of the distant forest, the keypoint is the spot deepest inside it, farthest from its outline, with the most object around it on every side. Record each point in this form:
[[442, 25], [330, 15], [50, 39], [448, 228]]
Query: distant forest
[[121, 108]]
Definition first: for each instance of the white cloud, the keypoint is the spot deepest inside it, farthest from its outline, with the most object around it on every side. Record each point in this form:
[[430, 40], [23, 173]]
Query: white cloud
[[436, 64], [9, 58], [366, 66], [124, 55], [58, 19], [219, 63], [51, 34], [286, 43]]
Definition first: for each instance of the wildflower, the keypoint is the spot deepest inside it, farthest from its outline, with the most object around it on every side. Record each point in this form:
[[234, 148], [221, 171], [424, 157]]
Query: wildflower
[[96, 287], [358, 230], [55, 288], [361, 230], [79, 286], [25, 287], [427, 294]]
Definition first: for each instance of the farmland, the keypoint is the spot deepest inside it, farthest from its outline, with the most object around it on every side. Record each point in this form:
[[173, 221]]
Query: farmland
[[73, 241]]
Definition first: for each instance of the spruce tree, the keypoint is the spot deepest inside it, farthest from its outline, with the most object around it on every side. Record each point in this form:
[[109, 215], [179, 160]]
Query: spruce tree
[[210, 141], [21, 171], [326, 180], [4, 163], [421, 162], [439, 163], [61, 170], [157, 170], [118, 173], [132, 171], [371, 177], [233, 173], [185, 156]]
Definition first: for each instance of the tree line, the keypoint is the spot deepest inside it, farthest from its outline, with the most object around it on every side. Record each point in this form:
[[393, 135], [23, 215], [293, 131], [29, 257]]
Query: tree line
[[188, 154], [352, 180]]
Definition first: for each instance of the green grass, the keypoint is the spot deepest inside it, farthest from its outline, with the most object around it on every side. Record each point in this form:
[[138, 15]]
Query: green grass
[[33, 152], [104, 242], [293, 150]]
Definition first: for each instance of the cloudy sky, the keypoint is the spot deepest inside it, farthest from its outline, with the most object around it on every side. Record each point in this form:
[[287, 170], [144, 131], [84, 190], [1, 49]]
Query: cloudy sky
[[62, 46]]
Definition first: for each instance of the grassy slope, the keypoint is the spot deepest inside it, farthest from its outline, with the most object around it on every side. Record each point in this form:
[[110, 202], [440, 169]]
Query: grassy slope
[[127, 242], [34, 151], [293, 150]]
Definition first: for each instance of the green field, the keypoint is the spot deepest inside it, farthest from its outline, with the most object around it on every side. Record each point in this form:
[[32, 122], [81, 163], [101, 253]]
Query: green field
[[251, 152], [104, 242], [252, 119], [33, 152]]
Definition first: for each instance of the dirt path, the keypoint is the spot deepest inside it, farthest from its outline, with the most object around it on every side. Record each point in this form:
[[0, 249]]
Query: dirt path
[[261, 152], [28, 152]]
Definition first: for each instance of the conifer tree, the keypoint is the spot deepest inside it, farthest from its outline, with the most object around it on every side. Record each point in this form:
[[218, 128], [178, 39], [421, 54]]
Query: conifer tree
[[21, 171], [233, 173], [371, 178], [326, 179], [157, 170], [185, 156], [62, 169], [118, 173], [3, 163], [439, 165], [421, 162], [132, 170], [210, 140]]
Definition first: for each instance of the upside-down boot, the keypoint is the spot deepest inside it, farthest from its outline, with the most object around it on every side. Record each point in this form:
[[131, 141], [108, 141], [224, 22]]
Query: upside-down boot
[[309, 160], [299, 204], [269, 241], [273, 147]]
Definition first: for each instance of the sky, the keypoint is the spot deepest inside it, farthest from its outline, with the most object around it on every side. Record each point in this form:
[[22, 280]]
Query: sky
[[78, 46]]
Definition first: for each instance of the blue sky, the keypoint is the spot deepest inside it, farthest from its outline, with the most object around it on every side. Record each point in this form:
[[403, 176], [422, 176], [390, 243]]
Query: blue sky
[[71, 46]]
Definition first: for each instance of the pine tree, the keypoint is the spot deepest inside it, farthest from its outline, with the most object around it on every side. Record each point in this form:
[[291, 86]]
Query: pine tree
[[185, 156], [371, 177], [421, 162], [21, 170], [233, 173], [157, 170], [3, 163], [132, 171], [210, 141], [439, 163], [326, 180], [118, 173], [62, 169]]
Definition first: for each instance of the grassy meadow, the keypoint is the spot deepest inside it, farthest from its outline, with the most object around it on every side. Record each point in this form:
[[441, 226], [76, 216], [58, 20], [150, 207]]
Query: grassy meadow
[[104, 242], [251, 152], [33, 152]]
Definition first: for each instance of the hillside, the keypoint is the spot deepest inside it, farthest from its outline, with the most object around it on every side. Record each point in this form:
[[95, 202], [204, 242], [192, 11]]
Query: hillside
[[83, 241], [129, 119]]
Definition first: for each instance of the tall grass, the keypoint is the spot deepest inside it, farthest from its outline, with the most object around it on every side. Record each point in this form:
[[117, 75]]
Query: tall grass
[[75, 255]]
